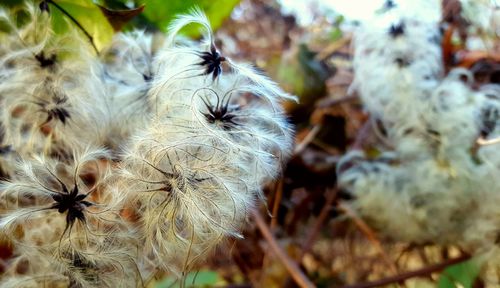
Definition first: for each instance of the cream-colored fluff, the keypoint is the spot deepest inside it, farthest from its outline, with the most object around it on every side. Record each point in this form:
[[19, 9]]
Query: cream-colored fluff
[[185, 152]]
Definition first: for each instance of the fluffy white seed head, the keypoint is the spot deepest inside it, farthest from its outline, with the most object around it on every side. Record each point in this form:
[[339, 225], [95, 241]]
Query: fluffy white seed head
[[435, 185], [191, 137]]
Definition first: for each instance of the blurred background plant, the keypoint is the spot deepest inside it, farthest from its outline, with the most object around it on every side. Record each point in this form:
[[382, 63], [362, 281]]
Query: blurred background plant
[[315, 234]]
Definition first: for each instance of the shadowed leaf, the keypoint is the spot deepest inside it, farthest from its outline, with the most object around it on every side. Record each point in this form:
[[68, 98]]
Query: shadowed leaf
[[118, 18]]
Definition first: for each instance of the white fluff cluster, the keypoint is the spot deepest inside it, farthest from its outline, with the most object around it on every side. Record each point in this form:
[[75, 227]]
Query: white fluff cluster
[[216, 136], [188, 138], [434, 183], [397, 54], [483, 19], [482, 14], [48, 90]]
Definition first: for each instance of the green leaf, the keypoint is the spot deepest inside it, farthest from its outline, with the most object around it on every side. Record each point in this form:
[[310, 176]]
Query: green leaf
[[193, 279], [11, 3], [460, 275], [336, 34], [163, 12], [88, 15], [304, 75]]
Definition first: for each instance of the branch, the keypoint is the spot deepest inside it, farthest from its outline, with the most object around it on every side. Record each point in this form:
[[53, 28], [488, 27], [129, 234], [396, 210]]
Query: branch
[[305, 142], [485, 142], [333, 47], [292, 267], [276, 203], [370, 235], [362, 136], [313, 233], [417, 273], [336, 101]]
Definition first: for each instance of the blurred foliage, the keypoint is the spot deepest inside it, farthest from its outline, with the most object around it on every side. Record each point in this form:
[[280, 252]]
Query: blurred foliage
[[158, 14], [194, 279], [101, 18], [460, 275], [304, 74], [161, 13], [336, 33]]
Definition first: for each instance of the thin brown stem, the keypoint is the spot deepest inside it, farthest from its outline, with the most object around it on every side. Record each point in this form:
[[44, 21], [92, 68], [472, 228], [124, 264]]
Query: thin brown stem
[[313, 233], [370, 235], [298, 276], [276, 203], [305, 142], [336, 101], [426, 271], [333, 47], [362, 136]]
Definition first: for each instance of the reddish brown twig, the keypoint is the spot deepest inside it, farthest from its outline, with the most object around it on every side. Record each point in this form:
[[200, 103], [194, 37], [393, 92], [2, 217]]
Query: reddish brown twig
[[309, 137], [333, 47], [370, 235], [313, 233], [363, 135], [298, 276], [411, 274], [276, 203], [332, 102]]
